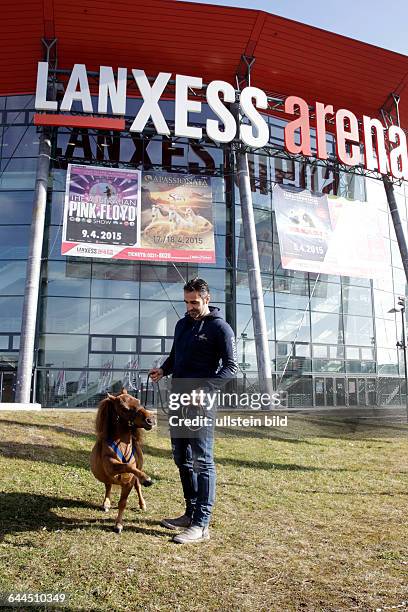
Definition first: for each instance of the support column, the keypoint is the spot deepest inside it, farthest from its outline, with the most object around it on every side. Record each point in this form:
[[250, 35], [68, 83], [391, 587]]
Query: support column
[[399, 231], [254, 274], [32, 284]]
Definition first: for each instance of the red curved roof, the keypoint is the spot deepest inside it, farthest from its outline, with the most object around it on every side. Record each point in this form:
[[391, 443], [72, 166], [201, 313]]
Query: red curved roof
[[201, 40]]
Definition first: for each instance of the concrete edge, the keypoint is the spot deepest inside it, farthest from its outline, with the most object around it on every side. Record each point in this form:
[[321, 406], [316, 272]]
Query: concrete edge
[[14, 407]]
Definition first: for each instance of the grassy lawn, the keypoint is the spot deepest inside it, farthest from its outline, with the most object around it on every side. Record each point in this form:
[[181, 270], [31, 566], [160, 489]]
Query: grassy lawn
[[316, 523]]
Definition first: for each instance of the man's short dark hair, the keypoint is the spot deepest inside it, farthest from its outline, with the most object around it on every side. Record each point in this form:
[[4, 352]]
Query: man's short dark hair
[[197, 284]]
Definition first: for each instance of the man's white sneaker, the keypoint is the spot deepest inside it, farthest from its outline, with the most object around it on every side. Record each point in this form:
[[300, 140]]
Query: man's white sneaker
[[192, 534], [180, 522]]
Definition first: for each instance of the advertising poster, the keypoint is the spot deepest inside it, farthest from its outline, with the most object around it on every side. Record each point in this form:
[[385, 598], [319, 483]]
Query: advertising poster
[[124, 214], [177, 217], [101, 212], [328, 235]]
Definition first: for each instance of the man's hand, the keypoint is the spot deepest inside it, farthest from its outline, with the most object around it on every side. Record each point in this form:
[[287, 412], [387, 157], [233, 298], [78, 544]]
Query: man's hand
[[156, 374]]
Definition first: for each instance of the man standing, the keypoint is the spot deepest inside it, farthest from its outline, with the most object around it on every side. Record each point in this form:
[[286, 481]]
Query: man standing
[[202, 339]]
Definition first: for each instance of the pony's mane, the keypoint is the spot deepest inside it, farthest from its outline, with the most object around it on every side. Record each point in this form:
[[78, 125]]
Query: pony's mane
[[104, 419]]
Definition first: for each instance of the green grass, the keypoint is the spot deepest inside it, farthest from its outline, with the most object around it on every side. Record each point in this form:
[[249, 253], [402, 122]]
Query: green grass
[[317, 523]]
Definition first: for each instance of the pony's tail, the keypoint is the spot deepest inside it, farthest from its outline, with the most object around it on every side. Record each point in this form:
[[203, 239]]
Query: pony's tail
[[103, 422]]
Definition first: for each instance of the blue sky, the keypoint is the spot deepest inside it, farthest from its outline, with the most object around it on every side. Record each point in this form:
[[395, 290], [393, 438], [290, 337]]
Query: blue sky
[[378, 22]]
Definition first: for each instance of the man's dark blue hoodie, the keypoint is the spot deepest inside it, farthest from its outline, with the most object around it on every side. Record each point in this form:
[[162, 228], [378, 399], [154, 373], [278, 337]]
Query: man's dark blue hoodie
[[198, 347]]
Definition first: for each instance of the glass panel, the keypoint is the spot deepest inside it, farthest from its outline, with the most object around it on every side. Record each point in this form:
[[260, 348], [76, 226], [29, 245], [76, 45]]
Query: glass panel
[[164, 291], [291, 292], [357, 300], [65, 315], [387, 361], [328, 365], [12, 277], [336, 352], [14, 241], [160, 318], [365, 367], [20, 141], [319, 391], [242, 289], [101, 344], [151, 345], [126, 345], [116, 281], [367, 353], [383, 303], [63, 350], [66, 278], [358, 330], [340, 384], [329, 392], [16, 342], [11, 309], [319, 351], [245, 323], [19, 102], [18, 173], [218, 282], [326, 297], [352, 391], [56, 207], [353, 352], [114, 317], [302, 350], [4, 343], [167, 345], [16, 207], [292, 325], [327, 328], [386, 332]]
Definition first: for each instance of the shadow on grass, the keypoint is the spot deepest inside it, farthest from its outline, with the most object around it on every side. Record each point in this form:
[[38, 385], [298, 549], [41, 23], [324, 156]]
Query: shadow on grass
[[23, 512], [80, 459], [54, 455], [58, 428]]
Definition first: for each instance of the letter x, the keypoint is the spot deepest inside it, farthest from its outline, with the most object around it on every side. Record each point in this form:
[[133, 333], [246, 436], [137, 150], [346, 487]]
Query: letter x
[[150, 107]]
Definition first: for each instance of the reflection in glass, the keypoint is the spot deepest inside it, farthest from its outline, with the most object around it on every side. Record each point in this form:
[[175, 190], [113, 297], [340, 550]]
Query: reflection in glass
[[11, 309], [14, 241], [160, 318], [65, 315], [16, 207], [326, 297], [12, 277], [358, 330], [114, 317], [292, 325], [327, 328], [357, 300], [66, 278], [63, 350]]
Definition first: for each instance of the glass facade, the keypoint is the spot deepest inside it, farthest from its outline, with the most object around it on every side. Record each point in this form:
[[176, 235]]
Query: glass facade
[[100, 323]]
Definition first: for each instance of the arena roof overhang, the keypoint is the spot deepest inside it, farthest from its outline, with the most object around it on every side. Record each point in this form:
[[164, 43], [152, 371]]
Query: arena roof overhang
[[201, 40]]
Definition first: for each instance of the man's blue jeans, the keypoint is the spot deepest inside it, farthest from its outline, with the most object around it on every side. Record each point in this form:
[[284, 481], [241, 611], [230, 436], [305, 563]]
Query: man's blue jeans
[[194, 457]]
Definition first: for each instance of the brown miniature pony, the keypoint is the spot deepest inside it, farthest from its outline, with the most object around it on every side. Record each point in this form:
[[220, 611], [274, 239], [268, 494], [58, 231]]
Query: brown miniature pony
[[117, 457]]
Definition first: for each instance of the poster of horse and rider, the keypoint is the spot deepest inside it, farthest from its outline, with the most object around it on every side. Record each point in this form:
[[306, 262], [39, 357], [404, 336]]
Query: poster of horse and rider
[[128, 214]]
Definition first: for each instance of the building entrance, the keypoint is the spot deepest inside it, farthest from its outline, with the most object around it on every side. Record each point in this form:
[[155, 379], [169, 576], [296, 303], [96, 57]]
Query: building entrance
[[7, 386], [344, 391]]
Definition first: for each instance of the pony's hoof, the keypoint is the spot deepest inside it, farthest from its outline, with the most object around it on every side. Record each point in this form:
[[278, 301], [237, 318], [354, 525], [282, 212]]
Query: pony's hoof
[[118, 529], [148, 482], [143, 508], [106, 508]]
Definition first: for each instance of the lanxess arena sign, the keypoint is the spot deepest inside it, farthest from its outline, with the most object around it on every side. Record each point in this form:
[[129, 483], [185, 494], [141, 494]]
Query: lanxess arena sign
[[366, 143]]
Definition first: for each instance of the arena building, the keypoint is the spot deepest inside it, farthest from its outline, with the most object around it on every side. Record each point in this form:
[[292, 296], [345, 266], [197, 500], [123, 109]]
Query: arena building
[[104, 84]]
